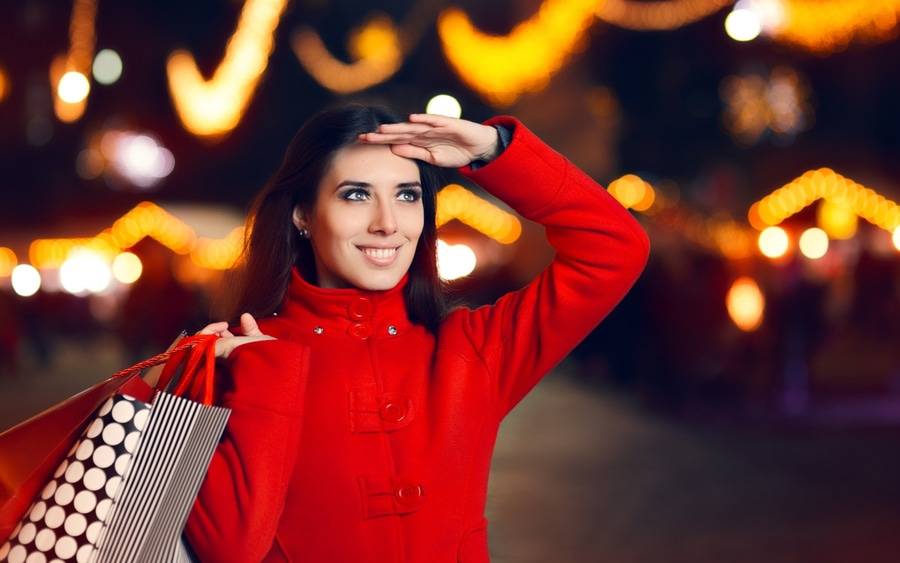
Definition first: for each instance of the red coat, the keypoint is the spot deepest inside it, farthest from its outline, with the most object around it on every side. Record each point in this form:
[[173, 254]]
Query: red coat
[[359, 437]]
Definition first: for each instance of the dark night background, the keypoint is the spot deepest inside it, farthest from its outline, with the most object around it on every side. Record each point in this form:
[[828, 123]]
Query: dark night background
[[668, 435]]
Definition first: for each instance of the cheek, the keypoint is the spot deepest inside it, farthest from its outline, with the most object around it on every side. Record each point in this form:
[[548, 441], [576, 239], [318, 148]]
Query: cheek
[[414, 223], [340, 225]]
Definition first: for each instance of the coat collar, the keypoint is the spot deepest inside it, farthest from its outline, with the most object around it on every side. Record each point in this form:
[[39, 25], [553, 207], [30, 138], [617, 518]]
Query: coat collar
[[348, 311]]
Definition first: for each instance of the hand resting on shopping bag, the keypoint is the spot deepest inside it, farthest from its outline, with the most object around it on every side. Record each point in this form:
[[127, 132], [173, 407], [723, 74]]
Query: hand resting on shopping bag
[[227, 342]]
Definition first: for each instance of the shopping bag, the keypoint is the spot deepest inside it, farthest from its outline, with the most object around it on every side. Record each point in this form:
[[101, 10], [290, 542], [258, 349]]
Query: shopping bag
[[78, 504], [168, 469], [66, 519], [30, 450]]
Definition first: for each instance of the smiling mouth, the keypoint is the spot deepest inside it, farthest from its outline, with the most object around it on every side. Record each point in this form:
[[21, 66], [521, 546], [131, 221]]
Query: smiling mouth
[[380, 256]]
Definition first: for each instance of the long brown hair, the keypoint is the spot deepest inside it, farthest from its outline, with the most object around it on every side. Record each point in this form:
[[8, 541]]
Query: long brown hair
[[273, 245]]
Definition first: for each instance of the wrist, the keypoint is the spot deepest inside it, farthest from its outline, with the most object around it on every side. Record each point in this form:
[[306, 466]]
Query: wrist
[[491, 147]]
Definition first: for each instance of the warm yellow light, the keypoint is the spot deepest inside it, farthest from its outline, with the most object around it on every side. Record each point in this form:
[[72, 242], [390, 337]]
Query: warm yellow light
[[215, 107], [843, 202], [127, 267], [377, 47], [837, 219], [73, 87], [456, 202], [825, 26], [641, 15], [26, 280], [4, 84], [743, 25], [746, 304], [813, 243], [454, 261], [896, 238], [444, 104], [773, 242], [632, 192], [8, 261], [502, 68]]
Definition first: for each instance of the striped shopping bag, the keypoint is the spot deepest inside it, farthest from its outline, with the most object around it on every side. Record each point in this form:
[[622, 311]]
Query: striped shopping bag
[[125, 490]]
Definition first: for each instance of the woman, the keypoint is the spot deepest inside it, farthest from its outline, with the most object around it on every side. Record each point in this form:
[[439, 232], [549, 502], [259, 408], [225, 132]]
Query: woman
[[364, 416]]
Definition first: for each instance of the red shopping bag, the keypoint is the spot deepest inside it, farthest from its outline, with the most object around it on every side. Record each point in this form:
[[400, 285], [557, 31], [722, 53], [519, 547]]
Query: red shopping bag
[[30, 450]]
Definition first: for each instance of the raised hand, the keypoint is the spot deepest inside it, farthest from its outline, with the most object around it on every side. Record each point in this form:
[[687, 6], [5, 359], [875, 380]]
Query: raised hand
[[227, 342], [437, 139]]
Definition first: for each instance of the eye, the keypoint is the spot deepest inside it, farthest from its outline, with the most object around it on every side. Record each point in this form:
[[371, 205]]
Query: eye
[[351, 195], [410, 195]]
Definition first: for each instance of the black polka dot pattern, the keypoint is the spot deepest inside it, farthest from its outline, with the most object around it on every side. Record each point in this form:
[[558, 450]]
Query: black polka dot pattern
[[68, 516]]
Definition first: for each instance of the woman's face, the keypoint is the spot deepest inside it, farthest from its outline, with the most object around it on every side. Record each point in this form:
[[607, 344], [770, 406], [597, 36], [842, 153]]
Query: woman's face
[[367, 218]]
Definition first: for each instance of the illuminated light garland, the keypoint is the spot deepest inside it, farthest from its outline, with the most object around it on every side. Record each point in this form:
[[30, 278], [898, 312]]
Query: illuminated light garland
[[8, 261], [145, 219], [213, 108], [657, 15], [82, 41], [456, 202], [839, 221], [824, 183], [219, 254], [825, 26], [502, 68], [376, 46]]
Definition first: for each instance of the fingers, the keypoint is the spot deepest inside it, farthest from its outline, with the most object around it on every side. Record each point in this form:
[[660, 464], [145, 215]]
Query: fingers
[[386, 137], [214, 328], [413, 128], [431, 119], [412, 151], [249, 326]]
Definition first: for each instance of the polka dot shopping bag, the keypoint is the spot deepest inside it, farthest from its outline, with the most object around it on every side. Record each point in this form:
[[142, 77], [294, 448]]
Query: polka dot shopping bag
[[126, 486]]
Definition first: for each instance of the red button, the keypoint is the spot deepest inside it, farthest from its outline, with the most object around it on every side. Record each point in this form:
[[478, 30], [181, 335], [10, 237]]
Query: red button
[[409, 493], [393, 412], [360, 308], [360, 330]]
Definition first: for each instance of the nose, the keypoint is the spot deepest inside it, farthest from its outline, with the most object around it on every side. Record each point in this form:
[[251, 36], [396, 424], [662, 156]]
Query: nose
[[384, 220]]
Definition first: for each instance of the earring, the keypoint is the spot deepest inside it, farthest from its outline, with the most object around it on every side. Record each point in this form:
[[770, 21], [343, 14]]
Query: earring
[[304, 233]]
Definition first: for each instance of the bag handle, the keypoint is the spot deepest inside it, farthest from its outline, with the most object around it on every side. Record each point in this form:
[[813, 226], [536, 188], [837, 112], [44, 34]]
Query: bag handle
[[185, 344], [202, 347], [203, 355]]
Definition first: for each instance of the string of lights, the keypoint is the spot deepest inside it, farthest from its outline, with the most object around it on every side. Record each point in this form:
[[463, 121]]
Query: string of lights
[[212, 108], [646, 16], [69, 72]]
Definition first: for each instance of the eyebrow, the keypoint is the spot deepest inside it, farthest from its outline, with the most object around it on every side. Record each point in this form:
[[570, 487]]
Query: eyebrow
[[368, 185]]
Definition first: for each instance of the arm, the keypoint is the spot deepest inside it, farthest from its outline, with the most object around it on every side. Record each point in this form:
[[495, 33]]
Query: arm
[[236, 513], [600, 252]]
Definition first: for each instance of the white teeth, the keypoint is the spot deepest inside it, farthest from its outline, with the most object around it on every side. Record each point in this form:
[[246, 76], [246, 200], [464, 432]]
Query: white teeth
[[380, 252]]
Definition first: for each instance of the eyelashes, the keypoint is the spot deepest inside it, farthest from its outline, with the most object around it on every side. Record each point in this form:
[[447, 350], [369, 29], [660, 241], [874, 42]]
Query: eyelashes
[[408, 195]]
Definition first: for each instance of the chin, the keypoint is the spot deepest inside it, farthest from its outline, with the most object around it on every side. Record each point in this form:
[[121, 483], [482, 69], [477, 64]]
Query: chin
[[380, 281]]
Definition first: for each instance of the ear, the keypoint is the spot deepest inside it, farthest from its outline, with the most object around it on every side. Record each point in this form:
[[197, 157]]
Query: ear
[[298, 218]]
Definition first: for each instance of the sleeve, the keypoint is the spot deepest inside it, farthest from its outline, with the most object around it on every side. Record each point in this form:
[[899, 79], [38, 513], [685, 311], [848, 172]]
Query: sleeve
[[237, 510], [601, 250]]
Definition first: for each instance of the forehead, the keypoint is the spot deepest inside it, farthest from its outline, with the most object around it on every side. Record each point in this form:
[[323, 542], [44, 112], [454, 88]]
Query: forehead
[[371, 163]]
